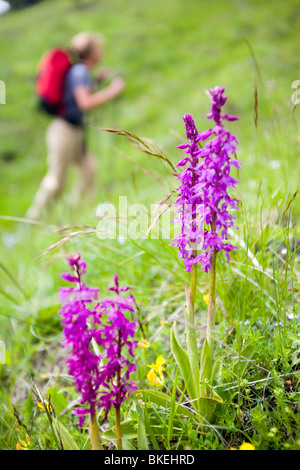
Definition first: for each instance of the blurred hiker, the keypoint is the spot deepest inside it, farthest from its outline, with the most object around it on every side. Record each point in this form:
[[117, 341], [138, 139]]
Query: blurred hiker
[[68, 95]]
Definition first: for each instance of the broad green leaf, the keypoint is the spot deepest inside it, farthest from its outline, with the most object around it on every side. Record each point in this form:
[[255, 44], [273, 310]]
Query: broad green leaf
[[128, 444], [182, 359], [128, 431], [63, 435], [163, 400], [208, 405], [192, 347], [206, 363], [209, 399]]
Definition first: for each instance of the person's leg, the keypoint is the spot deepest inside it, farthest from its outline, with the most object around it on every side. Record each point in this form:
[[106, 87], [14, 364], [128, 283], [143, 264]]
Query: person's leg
[[62, 141], [87, 167], [86, 164]]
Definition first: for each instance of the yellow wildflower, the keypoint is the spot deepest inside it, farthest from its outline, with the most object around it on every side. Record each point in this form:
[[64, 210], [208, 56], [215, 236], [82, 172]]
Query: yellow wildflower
[[206, 298], [244, 446], [158, 366], [247, 446], [144, 344], [42, 408], [153, 379]]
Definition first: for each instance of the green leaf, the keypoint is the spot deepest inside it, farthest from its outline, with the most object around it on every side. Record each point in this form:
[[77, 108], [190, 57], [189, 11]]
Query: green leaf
[[206, 363], [141, 431], [243, 363], [48, 313], [182, 359], [63, 435], [163, 400], [128, 444], [128, 430], [208, 405], [149, 429], [192, 347], [209, 399], [172, 411], [57, 399], [216, 370]]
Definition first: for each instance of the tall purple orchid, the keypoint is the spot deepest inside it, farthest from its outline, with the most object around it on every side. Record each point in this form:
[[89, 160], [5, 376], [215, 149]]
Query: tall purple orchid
[[203, 206], [101, 378], [203, 201], [203, 210]]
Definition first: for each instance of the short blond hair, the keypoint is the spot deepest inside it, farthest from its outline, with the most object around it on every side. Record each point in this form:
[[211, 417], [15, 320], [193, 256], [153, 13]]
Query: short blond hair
[[83, 43]]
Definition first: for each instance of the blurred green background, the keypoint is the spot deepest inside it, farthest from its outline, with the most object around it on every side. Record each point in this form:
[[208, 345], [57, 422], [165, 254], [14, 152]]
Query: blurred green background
[[169, 52]]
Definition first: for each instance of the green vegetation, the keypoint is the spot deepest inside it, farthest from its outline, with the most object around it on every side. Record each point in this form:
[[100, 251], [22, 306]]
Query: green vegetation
[[169, 53]]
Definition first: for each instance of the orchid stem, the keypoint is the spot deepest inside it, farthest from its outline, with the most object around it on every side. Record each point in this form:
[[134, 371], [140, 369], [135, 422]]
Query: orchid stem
[[191, 337], [118, 428], [193, 288], [94, 432], [212, 291], [118, 407], [212, 300]]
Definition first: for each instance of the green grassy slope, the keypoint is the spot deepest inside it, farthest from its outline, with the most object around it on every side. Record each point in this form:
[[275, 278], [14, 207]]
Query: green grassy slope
[[169, 52]]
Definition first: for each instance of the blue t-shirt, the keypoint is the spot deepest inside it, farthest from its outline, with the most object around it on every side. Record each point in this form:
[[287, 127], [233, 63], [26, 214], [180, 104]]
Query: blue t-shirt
[[78, 75]]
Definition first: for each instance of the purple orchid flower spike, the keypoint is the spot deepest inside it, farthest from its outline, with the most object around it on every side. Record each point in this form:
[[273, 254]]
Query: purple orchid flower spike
[[203, 203], [101, 379]]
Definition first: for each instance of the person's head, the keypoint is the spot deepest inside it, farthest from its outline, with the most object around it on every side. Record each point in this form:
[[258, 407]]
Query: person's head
[[88, 47]]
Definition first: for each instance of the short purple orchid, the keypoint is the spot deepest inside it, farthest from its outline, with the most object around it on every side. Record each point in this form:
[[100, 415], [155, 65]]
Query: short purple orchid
[[101, 379], [203, 202]]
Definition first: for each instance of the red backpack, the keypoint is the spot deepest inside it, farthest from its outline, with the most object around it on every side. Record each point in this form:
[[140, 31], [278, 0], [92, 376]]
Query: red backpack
[[52, 71]]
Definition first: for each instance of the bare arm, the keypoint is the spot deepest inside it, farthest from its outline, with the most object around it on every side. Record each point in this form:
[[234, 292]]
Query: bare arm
[[87, 100]]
